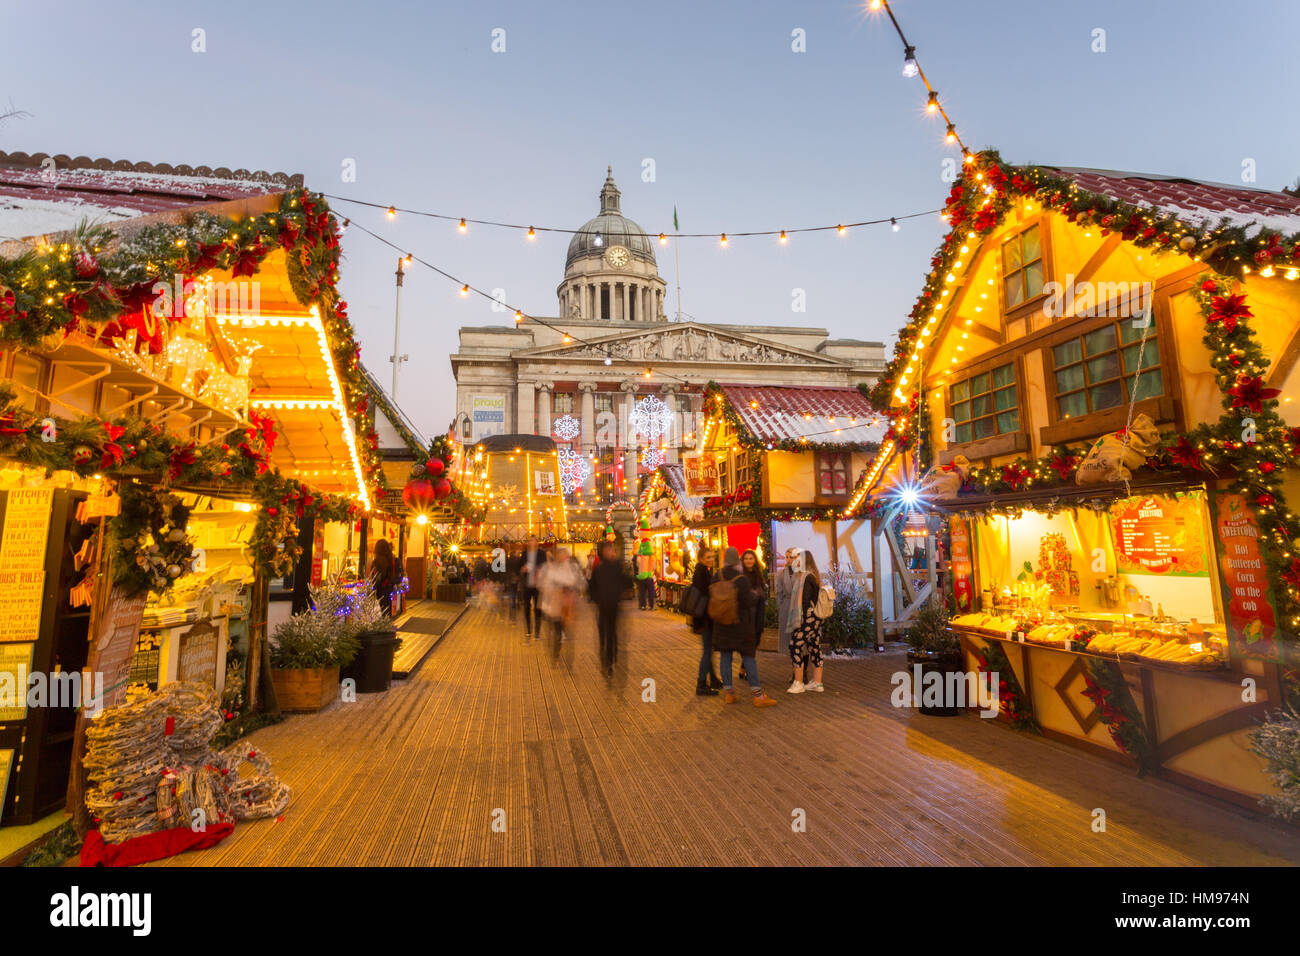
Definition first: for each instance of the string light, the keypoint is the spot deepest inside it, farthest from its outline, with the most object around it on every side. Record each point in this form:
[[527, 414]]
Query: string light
[[932, 104], [910, 68], [532, 234], [894, 223], [464, 290], [463, 227], [724, 239], [782, 237], [392, 213]]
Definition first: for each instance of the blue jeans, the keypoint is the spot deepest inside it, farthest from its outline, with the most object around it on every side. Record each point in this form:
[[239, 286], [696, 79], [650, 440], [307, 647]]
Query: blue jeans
[[746, 661], [706, 647]]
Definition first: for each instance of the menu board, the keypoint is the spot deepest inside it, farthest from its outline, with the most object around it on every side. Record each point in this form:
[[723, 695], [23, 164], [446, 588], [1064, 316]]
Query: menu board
[[1159, 536], [119, 631], [962, 588], [197, 659], [1252, 620], [15, 666], [22, 563]]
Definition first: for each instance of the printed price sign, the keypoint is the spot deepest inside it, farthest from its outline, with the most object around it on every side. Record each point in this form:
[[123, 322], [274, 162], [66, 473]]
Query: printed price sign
[[1252, 620]]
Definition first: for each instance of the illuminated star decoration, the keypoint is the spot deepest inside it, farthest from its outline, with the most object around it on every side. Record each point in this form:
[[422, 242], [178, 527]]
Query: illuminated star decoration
[[566, 428], [574, 469]]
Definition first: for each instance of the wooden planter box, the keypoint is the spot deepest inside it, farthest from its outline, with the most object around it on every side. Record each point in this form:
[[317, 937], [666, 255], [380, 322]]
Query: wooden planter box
[[305, 690]]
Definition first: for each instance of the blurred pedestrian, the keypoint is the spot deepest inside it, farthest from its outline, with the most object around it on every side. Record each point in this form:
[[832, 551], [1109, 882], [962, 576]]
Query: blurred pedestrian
[[708, 682], [531, 564], [383, 574], [786, 579], [731, 606], [606, 591], [514, 563], [560, 582]]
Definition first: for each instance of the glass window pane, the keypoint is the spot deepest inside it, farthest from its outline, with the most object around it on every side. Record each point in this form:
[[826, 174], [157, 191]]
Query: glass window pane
[[980, 383], [1100, 369], [961, 392], [1014, 292], [963, 433], [1034, 279], [1107, 396], [961, 412], [984, 428], [1067, 352], [1071, 405], [1033, 246], [1002, 376], [1103, 340], [1150, 357], [1008, 422], [1128, 332], [1069, 379], [981, 405], [1149, 384], [1011, 255], [1005, 398]]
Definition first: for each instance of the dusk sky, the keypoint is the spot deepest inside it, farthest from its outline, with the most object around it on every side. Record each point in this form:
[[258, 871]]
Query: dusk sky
[[744, 133]]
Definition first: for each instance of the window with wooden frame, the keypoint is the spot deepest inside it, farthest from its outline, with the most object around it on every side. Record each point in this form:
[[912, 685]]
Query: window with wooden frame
[[604, 402], [1097, 370], [832, 473], [724, 474], [744, 467], [562, 403], [985, 405], [1022, 268]]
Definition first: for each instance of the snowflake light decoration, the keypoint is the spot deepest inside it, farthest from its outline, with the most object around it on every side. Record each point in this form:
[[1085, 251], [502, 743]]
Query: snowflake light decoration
[[574, 469], [650, 417], [652, 456], [566, 428]]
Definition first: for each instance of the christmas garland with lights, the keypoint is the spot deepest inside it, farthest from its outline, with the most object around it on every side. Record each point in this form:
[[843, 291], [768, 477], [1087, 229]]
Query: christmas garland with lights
[[1109, 691], [1011, 698]]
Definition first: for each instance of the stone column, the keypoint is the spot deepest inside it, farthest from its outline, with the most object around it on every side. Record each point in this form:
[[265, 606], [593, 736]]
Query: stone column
[[587, 417], [668, 394], [524, 417], [589, 291], [629, 390], [544, 410], [627, 298]]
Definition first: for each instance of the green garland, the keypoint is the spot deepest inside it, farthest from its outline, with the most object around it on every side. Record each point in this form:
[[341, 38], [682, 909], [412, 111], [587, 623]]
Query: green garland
[[1109, 691], [152, 548], [1011, 698]]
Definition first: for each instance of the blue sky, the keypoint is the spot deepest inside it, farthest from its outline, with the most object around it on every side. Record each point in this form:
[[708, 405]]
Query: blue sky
[[744, 132]]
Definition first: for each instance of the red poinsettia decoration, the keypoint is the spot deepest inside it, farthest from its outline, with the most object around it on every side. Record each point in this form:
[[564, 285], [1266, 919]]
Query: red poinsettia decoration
[[1249, 392], [207, 255], [985, 220], [1265, 500], [1015, 476], [246, 259], [180, 459], [1209, 285], [113, 453], [1228, 309], [1064, 465], [8, 302], [1186, 455]]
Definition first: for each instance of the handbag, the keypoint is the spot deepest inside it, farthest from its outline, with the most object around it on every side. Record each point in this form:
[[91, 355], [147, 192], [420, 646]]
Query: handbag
[[690, 602]]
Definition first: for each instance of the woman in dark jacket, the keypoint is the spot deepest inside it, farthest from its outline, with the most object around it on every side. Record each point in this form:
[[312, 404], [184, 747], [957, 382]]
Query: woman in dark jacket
[[738, 635], [708, 682], [383, 574], [756, 575]]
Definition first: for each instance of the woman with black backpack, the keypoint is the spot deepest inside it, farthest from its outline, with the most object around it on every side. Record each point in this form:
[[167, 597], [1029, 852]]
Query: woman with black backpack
[[806, 638], [708, 683], [731, 606]]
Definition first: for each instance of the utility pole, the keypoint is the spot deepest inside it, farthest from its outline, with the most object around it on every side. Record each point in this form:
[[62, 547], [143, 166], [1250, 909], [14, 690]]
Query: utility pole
[[397, 358]]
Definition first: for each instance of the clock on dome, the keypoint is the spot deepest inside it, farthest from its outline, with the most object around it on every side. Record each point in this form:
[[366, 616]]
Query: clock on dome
[[616, 256]]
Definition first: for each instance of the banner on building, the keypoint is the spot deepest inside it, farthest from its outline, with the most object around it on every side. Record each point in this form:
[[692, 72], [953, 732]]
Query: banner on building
[[701, 474], [488, 413]]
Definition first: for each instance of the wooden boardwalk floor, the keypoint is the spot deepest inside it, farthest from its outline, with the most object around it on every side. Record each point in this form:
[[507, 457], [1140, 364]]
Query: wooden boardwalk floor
[[578, 772]]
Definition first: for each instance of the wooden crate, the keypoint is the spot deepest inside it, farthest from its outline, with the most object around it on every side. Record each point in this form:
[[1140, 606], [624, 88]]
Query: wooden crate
[[305, 690]]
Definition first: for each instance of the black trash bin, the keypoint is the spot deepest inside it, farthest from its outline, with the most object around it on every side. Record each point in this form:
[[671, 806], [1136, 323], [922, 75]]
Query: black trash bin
[[372, 668], [943, 665]]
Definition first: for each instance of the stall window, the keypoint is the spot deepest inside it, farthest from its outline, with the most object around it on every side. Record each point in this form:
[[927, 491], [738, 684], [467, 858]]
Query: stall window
[[562, 403], [1097, 370], [1022, 267], [985, 405], [832, 473], [744, 468], [724, 474]]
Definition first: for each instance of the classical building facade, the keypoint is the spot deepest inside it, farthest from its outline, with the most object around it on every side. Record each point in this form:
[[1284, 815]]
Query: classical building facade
[[614, 382]]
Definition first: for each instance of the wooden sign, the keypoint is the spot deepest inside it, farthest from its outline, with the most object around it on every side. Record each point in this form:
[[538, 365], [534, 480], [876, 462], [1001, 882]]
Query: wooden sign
[[21, 595], [119, 632], [701, 474], [197, 659], [1159, 536], [26, 528], [15, 667], [962, 588], [1252, 619]]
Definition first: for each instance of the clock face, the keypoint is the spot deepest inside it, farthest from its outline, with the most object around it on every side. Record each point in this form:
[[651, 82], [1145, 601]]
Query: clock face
[[616, 256]]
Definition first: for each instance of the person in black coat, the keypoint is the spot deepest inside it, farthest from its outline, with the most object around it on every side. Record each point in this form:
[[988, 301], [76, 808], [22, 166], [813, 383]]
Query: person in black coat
[[708, 682], [605, 589], [738, 635]]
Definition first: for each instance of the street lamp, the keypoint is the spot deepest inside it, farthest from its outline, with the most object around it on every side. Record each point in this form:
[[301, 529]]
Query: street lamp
[[397, 358]]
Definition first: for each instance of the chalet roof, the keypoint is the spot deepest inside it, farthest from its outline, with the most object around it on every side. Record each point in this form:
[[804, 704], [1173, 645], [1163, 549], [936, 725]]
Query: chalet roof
[[42, 194], [1192, 200], [824, 415], [385, 405]]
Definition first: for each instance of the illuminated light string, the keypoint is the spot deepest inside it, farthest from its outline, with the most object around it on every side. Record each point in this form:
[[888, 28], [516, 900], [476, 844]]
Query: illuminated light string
[[723, 237]]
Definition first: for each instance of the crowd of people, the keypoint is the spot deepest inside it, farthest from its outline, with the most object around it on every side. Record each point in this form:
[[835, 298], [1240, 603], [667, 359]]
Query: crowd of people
[[726, 606]]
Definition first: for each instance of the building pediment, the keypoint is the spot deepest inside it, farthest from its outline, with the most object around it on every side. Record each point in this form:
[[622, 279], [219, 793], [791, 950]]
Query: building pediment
[[686, 342]]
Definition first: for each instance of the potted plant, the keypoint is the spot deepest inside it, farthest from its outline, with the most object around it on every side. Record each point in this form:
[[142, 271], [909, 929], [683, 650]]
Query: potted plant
[[933, 645], [306, 653], [377, 640]]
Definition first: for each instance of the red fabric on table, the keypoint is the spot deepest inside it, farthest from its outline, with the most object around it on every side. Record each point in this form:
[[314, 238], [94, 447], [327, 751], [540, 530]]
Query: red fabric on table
[[150, 846]]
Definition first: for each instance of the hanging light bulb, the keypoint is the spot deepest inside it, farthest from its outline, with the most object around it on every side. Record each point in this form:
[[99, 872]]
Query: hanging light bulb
[[967, 156], [533, 235], [462, 227], [932, 104], [894, 224], [407, 260], [392, 213], [951, 136], [598, 241], [464, 290], [724, 239], [608, 360], [519, 316], [840, 230], [647, 373], [782, 237], [910, 69]]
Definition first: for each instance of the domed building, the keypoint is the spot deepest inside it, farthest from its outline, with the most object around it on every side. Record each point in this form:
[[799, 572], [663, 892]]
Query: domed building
[[611, 358], [610, 270]]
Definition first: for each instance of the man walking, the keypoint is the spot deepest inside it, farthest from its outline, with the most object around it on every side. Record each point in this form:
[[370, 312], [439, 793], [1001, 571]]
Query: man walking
[[606, 591], [529, 580]]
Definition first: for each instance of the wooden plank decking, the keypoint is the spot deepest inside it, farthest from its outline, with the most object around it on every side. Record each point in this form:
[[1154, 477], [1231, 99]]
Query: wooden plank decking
[[589, 774]]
